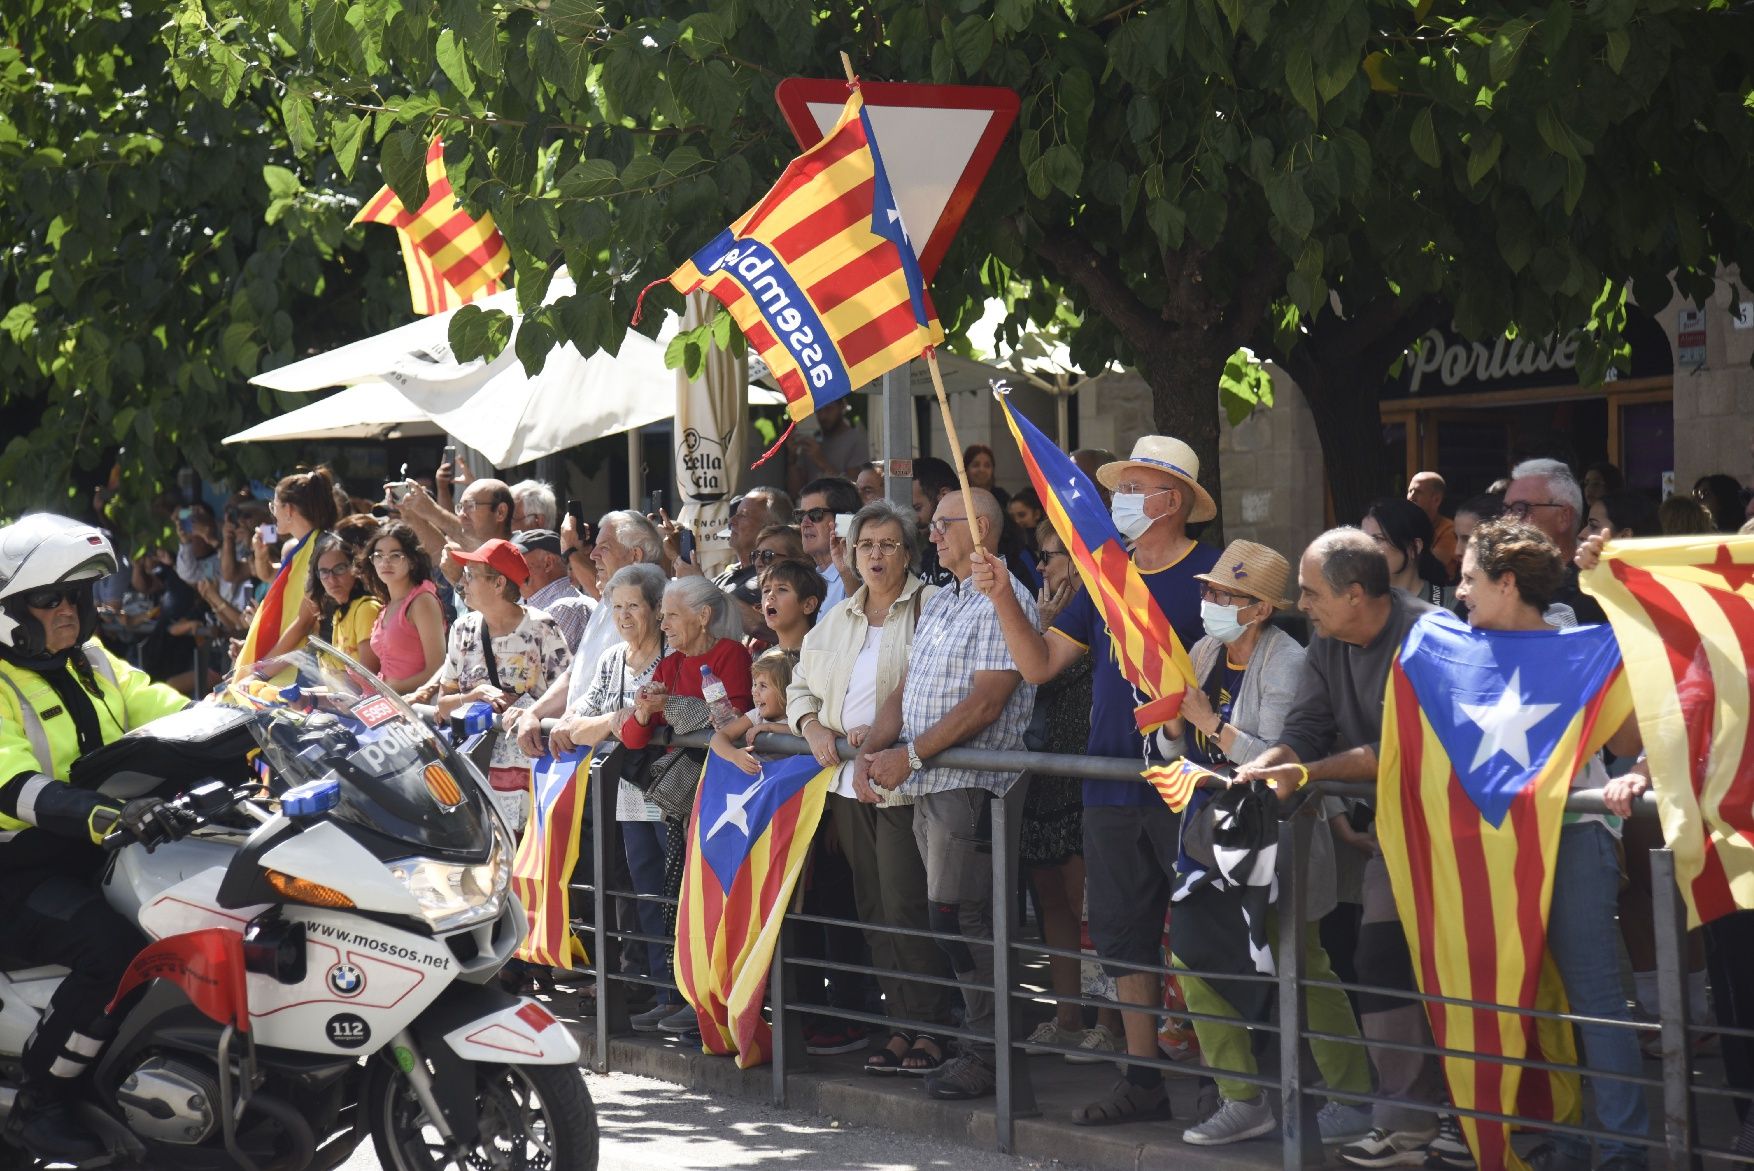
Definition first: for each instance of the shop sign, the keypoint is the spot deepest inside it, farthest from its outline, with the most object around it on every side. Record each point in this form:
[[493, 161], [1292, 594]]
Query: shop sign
[[1443, 362], [1690, 337]]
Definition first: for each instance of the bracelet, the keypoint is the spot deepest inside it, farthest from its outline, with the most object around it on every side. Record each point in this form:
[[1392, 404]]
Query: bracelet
[[1303, 774]]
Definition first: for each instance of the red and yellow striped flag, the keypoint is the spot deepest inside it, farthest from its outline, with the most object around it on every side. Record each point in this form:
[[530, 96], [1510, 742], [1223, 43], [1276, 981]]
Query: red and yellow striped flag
[[1150, 655], [747, 841], [1482, 733], [280, 606], [543, 865], [820, 275], [451, 257], [1683, 610], [1175, 782]]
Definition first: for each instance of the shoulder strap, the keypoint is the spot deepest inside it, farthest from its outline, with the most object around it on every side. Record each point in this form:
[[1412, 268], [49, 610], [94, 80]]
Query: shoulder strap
[[487, 652], [100, 662], [34, 731]]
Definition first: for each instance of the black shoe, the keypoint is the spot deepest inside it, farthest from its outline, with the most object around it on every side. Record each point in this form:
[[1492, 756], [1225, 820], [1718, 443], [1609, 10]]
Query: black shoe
[[54, 1132]]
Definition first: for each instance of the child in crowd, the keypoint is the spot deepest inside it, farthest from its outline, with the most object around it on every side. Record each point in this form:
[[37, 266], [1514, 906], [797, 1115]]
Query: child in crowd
[[770, 675]]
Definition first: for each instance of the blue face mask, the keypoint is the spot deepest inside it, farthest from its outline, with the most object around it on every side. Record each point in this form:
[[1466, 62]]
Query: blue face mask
[[1127, 509], [1221, 621]]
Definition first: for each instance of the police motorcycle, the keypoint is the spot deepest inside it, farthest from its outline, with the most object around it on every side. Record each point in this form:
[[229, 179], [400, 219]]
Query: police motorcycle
[[353, 864]]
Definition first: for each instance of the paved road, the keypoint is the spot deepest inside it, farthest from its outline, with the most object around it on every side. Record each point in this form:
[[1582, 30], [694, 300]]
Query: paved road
[[655, 1126]]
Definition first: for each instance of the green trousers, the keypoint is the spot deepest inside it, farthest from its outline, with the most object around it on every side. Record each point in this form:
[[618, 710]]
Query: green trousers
[[1343, 1065]]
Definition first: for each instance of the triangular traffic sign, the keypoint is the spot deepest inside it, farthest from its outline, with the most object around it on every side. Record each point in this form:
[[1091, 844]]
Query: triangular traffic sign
[[937, 142]]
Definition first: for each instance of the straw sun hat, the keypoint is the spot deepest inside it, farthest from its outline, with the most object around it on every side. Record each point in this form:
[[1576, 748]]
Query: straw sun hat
[[1247, 568], [1166, 454]]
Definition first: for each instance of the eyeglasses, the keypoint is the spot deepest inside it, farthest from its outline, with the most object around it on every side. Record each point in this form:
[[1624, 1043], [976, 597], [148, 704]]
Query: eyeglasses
[[766, 556], [388, 557], [1522, 508], [52, 597], [1047, 555], [889, 546], [1220, 597], [814, 515], [479, 575], [941, 525], [335, 573], [1146, 490]]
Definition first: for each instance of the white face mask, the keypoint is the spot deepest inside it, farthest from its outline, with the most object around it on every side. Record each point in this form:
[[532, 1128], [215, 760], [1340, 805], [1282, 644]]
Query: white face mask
[[1221, 621], [1128, 511]]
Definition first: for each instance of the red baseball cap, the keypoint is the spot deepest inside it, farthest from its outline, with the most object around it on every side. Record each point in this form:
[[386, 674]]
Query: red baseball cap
[[502, 557]]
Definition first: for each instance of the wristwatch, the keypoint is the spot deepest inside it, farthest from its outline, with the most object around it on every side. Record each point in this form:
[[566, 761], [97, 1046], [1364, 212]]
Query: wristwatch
[[913, 758]]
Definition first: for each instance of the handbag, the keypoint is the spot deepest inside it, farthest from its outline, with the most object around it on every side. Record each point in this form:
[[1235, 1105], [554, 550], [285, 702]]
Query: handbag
[[676, 776]]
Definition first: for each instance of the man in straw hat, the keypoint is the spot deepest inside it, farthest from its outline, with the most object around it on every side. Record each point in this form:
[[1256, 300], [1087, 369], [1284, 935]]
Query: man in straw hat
[[1130, 836], [1249, 671], [1332, 733]]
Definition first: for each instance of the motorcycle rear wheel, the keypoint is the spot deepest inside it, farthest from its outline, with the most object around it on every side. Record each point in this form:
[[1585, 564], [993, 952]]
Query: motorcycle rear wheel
[[535, 1117]]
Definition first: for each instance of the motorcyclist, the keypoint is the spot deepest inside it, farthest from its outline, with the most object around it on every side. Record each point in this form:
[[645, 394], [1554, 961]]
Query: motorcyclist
[[61, 696]]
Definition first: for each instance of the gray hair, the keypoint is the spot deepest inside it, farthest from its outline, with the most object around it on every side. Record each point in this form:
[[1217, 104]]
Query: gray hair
[[701, 593], [879, 512], [1561, 484], [1349, 557], [635, 533], [536, 498], [648, 579], [779, 505]]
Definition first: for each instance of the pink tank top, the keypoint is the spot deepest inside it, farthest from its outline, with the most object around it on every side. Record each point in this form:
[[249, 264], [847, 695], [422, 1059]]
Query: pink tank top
[[397, 643]]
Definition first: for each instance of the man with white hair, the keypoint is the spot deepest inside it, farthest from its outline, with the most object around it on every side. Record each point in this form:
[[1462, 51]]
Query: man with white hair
[[533, 506], [1544, 493]]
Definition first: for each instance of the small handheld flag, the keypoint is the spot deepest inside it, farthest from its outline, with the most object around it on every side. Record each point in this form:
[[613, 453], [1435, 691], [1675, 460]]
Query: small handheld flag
[[1482, 733], [451, 257], [820, 275], [1146, 648], [748, 839]]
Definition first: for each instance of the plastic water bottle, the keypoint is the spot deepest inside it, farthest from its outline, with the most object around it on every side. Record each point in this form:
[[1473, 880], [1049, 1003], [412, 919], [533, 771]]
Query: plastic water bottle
[[718, 703]]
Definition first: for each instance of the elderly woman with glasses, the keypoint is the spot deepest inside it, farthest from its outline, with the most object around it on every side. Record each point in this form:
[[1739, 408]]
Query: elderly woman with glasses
[[851, 661]]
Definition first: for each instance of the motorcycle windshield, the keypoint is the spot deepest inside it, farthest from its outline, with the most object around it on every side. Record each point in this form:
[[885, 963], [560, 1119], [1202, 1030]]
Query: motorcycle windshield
[[320, 714]]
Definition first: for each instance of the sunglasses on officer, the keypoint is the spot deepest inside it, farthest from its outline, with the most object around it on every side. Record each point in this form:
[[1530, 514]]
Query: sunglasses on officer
[[51, 597]]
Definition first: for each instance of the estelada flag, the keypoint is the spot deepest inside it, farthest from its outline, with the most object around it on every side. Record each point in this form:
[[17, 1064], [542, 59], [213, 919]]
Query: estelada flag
[[280, 605], [1482, 733], [748, 838], [208, 965], [543, 865], [1176, 781], [1683, 610], [451, 257], [1145, 645], [820, 275]]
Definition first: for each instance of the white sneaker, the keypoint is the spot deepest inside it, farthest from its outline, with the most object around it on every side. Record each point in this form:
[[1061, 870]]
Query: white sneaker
[[1049, 1032], [1234, 1122], [1097, 1047], [1342, 1122], [1385, 1148]]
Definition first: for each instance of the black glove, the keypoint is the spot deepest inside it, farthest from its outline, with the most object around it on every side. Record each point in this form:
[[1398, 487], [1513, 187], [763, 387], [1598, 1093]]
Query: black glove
[[151, 822]]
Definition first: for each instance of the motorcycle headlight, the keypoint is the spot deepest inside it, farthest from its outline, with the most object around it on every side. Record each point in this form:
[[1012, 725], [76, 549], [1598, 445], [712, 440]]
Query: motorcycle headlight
[[452, 896]]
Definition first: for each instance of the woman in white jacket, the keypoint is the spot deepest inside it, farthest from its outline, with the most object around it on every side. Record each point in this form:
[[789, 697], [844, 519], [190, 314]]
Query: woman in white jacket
[[851, 661]]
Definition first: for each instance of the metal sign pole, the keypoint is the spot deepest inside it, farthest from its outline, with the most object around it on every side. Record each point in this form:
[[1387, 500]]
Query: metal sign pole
[[898, 436]]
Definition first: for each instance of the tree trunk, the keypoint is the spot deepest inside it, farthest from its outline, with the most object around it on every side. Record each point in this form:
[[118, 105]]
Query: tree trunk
[[1178, 409]]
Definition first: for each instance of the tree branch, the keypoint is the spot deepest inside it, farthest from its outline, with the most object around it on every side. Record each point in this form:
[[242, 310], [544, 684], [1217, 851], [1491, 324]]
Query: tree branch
[[1104, 283]]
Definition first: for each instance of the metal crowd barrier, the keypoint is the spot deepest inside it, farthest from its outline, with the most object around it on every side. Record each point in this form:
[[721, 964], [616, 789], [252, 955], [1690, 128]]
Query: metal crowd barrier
[[1674, 1127]]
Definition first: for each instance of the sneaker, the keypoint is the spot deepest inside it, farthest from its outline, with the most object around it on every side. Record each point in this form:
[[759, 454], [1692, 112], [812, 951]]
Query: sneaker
[[680, 1020], [1448, 1151], [1099, 1045], [840, 1039], [1550, 1156], [652, 1019], [1049, 1032], [1234, 1122], [1386, 1148], [961, 1078], [1342, 1122]]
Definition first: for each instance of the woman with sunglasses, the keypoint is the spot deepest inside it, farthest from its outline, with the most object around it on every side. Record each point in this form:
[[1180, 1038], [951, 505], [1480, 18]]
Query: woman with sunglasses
[[62, 696], [409, 636], [346, 607]]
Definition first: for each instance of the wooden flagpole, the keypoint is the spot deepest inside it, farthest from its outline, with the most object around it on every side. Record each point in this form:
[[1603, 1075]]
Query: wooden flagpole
[[974, 531]]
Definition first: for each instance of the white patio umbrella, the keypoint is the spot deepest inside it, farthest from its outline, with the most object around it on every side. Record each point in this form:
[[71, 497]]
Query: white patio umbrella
[[370, 410]]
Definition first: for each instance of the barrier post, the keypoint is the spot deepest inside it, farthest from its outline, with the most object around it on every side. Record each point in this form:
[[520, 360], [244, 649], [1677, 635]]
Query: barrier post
[[1015, 1093], [1677, 1049], [788, 1025], [612, 1013], [1301, 1137]]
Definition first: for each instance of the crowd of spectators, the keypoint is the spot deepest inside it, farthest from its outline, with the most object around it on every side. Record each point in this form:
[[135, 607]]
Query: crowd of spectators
[[911, 630]]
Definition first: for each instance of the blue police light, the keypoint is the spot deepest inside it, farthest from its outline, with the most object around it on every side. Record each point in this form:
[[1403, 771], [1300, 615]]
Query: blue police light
[[311, 798]]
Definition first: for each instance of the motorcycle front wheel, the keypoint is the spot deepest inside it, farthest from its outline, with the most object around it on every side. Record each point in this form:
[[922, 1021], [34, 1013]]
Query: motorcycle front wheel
[[532, 1116]]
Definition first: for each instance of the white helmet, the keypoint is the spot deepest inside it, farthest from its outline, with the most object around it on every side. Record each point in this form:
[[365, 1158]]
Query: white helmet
[[40, 550]]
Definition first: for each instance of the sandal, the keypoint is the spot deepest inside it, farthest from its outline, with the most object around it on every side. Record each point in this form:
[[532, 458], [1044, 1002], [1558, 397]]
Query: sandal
[[1126, 1102], [887, 1060], [920, 1061]]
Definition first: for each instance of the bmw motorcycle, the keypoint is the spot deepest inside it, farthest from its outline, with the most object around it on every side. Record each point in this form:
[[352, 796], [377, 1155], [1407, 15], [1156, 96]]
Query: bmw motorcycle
[[352, 864]]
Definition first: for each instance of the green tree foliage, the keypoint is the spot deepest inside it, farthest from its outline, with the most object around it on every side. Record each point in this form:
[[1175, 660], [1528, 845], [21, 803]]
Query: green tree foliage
[[157, 248]]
